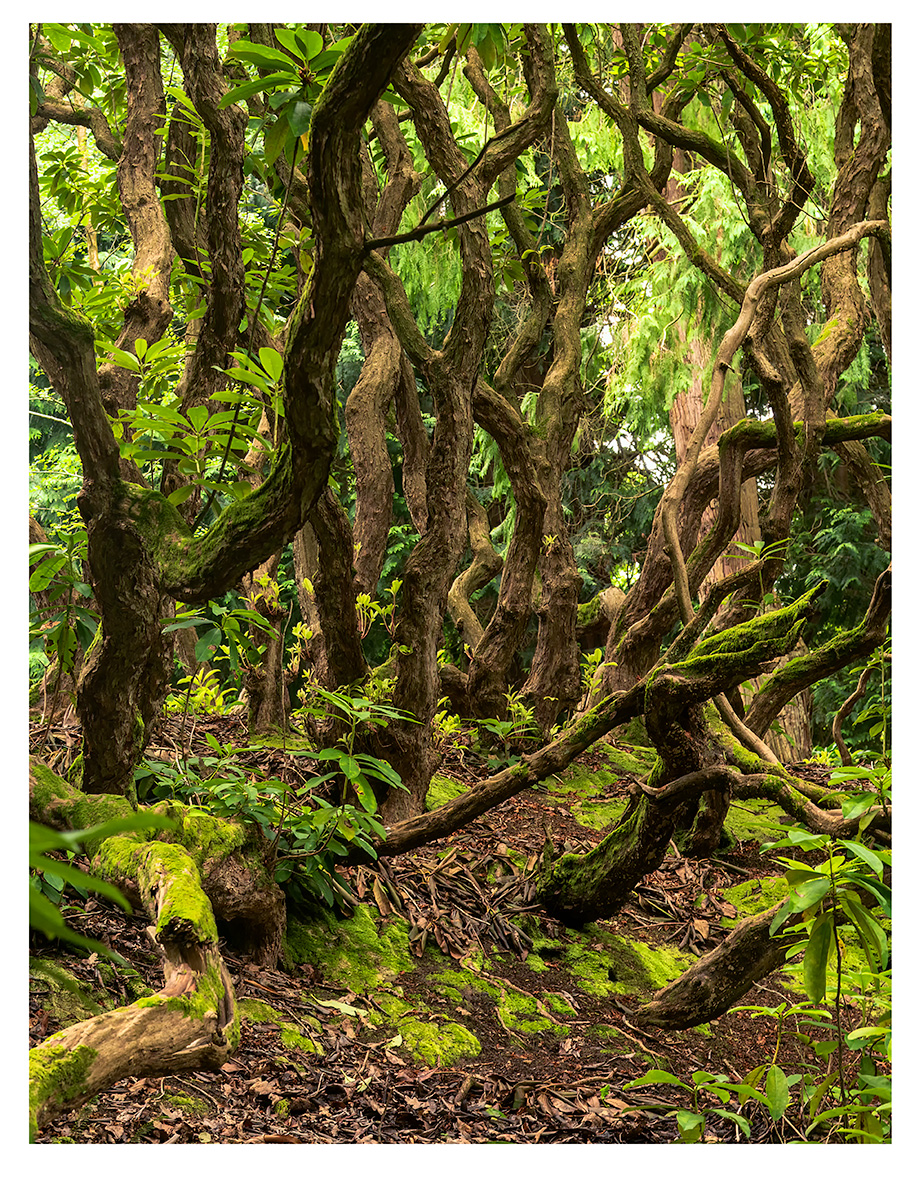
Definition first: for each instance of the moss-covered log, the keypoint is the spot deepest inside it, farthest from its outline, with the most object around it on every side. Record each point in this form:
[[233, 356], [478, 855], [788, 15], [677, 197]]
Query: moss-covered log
[[846, 647], [719, 979], [210, 871]]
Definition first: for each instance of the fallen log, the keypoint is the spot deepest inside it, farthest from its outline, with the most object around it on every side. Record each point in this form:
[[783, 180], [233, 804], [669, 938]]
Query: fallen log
[[192, 1022]]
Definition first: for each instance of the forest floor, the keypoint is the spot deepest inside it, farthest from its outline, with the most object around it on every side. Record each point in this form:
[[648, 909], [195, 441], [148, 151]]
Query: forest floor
[[446, 1008]]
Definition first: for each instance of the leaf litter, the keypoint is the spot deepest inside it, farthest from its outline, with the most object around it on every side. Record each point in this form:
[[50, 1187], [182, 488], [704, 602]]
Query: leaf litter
[[360, 1084]]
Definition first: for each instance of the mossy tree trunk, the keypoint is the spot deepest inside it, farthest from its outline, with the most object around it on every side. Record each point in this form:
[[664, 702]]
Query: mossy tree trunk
[[720, 978], [580, 888], [205, 879]]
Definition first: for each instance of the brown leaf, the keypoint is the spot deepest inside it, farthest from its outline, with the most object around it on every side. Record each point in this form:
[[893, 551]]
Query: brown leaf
[[379, 896]]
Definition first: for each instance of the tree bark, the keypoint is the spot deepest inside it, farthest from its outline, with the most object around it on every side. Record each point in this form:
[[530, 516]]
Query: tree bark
[[721, 978], [140, 535], [186, 885], [581, 888]]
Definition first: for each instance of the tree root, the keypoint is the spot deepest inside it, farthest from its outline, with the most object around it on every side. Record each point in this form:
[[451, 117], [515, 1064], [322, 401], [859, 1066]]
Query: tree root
[[719, 979], [190, 1024], [215, 873]]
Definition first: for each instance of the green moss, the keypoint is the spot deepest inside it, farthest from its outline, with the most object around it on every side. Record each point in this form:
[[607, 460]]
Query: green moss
[[48, 792], [457, 980], [755, 896], [598, 814], [610, 1034], [441, 790], [287, 741], [584, 787], [125, 979], [61, 994], [282, 1108], [437, 1043], [536, 963], [207, 837], [354, 951], [559, 1004], [185, 908], [190, 1105], [54, 1071], [755, 820], [518, 1012], [292, 1036], [607, 964], [160, 522]]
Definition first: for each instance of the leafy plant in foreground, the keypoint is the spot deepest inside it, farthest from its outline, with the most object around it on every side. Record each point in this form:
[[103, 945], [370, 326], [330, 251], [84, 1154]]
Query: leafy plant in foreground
[[49, 876]]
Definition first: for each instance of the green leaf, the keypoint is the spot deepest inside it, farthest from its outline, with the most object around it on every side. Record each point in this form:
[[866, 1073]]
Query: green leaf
[[197, 417], [777, 1094], [299, 116], [262, 56], [180, 495], [311, 44], [206, 645], [290, 40], [865, 855], [45, 572], [741, 1122], [340, 1006], [809, 892], [276, 140], [272, 361], [870, 933], [816, 956], [121, 358], [690, 1124], [350, 767], [656, 1076], [244, 90]]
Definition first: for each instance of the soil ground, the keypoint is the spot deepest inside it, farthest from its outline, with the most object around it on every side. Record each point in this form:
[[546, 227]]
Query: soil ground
[[323, 1058]]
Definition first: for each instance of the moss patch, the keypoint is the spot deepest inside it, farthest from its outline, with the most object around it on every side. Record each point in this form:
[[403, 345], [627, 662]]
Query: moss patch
[[607, 964], [354, 952], [292, 1036], [188, 1106], [526, 1014], [755, 820], [755, 896], [441, 790], [436, 1042], [584, 787], [61, 993]]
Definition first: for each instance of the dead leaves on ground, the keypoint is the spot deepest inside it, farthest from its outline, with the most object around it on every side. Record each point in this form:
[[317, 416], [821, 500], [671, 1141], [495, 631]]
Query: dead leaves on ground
[[462, 901]]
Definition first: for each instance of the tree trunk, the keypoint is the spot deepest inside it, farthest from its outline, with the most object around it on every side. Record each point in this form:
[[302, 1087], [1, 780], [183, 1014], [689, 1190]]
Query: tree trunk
[[121, 689], [207, 880], [267, 678], [722, 977], [581, 888]]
